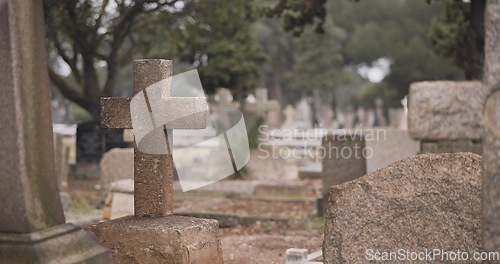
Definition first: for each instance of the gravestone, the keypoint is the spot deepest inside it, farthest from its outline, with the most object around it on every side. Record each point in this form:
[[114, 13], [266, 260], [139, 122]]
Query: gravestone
[[491, 135], [428, 201], [343, 158], [270, 110], [380, 119], [116, 164], [303, 114], [153, 234], [225, 111], [388, 145], [350, 115], [91, 144], [361, 117], [32, 224], [61, 158]]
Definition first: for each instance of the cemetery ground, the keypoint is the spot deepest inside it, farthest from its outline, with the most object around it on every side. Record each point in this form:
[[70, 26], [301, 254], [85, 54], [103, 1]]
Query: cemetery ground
[[255, 228]]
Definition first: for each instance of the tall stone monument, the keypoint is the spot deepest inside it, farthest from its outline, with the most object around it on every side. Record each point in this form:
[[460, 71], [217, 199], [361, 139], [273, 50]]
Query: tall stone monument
[[491, 135], [32, 228], [466, 115]]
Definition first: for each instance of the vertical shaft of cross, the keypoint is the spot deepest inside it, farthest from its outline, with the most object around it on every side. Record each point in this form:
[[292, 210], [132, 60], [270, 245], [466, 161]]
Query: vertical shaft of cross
[[491, 137], [153, 174]]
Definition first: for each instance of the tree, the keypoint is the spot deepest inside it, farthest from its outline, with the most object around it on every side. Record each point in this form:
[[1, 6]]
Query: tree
[[459, 36], [215, 37], [95, 39], [277, 45], [89, 34], [317, 62]]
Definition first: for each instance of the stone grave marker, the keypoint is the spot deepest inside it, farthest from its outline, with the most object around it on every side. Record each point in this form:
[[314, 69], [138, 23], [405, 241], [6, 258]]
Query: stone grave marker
[[342, 159], [263, 107], [429, 201], [225, 111], [380, 119], [153, 234], [491, 135], [303, 114], [32, 224], [388, 145]]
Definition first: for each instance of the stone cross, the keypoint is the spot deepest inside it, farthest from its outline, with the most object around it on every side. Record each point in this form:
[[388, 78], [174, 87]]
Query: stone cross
[[153, 174]]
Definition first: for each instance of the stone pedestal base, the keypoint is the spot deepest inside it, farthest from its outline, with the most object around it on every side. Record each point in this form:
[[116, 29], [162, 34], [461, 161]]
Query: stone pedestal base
[[167, 239], [64, 243]]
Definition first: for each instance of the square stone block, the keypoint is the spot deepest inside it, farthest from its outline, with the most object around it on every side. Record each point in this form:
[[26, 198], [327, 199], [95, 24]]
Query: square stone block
[[167, 239], [446, 110]]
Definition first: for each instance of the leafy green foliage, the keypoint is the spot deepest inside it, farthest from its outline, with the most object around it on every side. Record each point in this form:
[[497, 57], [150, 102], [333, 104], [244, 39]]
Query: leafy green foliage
[[215, 37], [95, 37], [318, 62], [397, 31], [296, 14]]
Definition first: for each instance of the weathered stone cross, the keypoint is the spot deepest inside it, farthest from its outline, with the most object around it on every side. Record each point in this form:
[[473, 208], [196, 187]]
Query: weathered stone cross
[[153, 174], [465, 113]]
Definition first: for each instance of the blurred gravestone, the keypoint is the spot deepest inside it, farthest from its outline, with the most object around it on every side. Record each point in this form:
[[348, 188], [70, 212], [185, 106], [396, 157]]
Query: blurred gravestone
[[91, 144], [343, 159]]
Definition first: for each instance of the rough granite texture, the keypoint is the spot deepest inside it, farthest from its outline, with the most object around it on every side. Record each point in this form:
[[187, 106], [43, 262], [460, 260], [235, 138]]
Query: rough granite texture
[[167, 239], [428, 201], [446, 110], [115, 112]]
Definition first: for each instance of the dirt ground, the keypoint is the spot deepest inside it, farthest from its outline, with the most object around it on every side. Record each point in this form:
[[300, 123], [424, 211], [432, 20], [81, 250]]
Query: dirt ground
[[260, 242]]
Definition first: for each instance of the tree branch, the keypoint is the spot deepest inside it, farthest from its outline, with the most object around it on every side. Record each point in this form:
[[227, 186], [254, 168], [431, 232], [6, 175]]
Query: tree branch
[[71, 62], [66, 89]]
